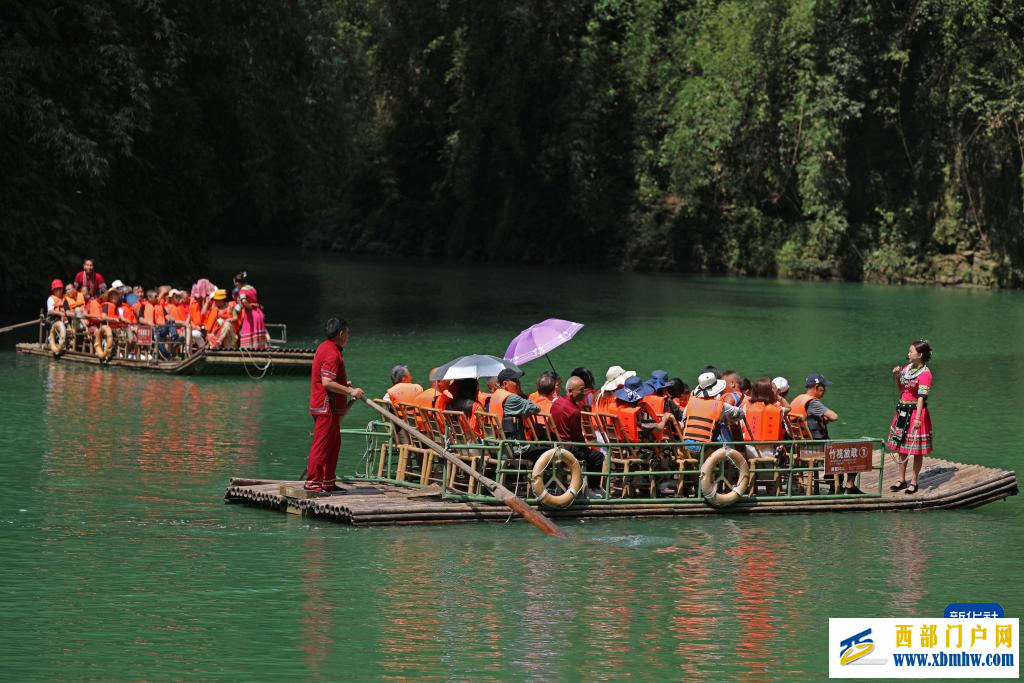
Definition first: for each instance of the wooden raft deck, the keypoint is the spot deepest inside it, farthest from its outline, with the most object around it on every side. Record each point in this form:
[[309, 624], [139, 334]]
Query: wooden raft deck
[[364, 503], [291, 361]]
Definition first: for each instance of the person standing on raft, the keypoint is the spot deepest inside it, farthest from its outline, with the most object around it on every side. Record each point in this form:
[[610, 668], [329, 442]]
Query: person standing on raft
[[329, 398], [911, 431]]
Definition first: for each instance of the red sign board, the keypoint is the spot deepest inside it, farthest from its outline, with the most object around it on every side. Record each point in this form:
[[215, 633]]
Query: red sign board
[[847, 457], [144, 335]]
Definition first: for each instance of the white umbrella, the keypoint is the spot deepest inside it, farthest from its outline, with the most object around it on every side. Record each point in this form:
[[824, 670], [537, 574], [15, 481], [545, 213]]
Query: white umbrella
[[473, 367]]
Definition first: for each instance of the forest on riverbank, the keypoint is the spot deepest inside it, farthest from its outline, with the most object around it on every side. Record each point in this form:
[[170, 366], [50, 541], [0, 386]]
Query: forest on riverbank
[[799, 138]]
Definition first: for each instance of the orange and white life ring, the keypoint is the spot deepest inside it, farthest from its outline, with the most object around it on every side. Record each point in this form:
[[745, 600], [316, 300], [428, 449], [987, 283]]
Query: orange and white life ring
[[58, 337], [556, 457], [709, 479], [103, 342]]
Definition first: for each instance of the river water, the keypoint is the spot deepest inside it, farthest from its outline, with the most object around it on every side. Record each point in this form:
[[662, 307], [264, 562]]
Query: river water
[[120, 561]]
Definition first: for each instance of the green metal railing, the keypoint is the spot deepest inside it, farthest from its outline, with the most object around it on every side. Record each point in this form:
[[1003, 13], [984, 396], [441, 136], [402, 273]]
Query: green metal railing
[[380, 463]]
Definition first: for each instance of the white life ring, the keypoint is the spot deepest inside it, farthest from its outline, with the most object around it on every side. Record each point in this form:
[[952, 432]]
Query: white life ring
[[709, 478], [58, 337], [104, 342], [556, 457]]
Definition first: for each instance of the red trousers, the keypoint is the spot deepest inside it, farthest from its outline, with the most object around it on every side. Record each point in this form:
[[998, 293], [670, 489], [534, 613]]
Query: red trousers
[[323, 454]]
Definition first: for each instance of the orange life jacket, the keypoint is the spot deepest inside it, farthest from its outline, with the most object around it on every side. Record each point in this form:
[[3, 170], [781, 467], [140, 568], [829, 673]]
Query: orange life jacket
[[702, 414], [630, 416], [195, 312], [109, 310], [799, 405], [542, 401], [765, 422], [404, 392], [93, 309], [151, 314], [178, 312], [431, 398], [58, 303], [210, 323], [497, 405], [128, 312], [73, 302], [655, 405], [681, 401], [604, 402], [482, 397]]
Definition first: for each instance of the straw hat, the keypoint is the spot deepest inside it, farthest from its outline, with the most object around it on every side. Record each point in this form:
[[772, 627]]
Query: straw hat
[[615, 377], [708, 386]]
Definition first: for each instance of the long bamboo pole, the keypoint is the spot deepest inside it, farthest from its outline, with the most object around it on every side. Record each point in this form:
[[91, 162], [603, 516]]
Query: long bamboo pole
[[10, 328], [508, 498]]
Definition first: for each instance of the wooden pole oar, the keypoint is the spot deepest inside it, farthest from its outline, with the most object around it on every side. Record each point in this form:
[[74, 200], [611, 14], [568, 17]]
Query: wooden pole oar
[[19, 325], [497, 490]]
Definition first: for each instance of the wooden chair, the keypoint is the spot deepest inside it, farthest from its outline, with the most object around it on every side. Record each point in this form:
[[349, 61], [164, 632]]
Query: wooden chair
[[426, 456], [540, 427], [489, 425], [460, 433], [810, 455], [622, 456]]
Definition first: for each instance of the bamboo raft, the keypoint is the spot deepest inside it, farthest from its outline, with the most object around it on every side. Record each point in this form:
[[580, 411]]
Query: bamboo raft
[[291, 361], [943, 485]]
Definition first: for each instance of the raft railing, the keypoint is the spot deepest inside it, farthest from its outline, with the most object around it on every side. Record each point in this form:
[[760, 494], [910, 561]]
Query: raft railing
[[380, 463]]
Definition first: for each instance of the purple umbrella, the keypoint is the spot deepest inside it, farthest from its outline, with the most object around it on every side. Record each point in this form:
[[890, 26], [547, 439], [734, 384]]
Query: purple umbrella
[[538, 340]]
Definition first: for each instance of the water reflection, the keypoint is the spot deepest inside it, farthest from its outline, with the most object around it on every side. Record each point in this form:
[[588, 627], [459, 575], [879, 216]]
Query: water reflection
[[158, 429]]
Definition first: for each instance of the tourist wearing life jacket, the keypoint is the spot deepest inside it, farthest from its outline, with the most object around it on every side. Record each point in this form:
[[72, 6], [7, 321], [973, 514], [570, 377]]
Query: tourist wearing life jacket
[[637, 420], [615, 378], [706, 412], [548, 385], [818, 416], [679, 392], [781, 385], [764, 416], [660, 401], [402, 389], [464, 400], [566, 413], [490, 384], [732, 395], [436, 396], [510, 406], [55, 302], [73, 298]]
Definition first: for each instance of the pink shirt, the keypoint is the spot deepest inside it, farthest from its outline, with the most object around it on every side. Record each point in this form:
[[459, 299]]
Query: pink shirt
[[915, 385]]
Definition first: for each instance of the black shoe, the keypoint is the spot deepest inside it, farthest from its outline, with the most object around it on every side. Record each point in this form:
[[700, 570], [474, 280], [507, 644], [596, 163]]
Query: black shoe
[[911, 489], [898, 487], [853, 490]]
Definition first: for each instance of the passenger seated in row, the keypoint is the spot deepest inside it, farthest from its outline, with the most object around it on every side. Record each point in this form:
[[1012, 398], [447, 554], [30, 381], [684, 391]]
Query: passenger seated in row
[[509, 404], [781, 385], [566, 412], [764, 416], [402, 389], [548, 385], [437, 396], [818, 416], [638, 421], [660, 401], [706, 413]]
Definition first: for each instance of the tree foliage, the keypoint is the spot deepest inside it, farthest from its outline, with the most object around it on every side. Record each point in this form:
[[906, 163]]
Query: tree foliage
[[803, 138]]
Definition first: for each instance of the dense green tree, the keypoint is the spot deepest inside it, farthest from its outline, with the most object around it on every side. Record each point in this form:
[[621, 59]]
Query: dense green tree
[[802, 138]]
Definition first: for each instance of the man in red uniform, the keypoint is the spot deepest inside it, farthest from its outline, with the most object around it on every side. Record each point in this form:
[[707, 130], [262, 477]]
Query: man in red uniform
[[88, 279], [329, 398]]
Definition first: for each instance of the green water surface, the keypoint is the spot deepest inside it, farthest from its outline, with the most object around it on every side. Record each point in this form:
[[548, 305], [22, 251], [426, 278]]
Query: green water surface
[[121, 562]]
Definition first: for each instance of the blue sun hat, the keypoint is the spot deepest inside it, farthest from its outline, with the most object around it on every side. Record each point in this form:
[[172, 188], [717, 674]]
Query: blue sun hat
[[633, 390], [658, 380]]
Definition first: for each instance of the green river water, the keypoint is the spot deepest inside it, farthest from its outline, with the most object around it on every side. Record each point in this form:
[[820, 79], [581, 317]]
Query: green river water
[[121, 562]]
